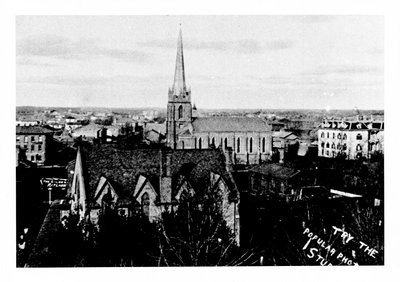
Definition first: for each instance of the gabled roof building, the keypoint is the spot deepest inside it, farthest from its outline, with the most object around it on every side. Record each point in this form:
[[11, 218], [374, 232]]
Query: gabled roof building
[[248, 137], [151, 181]]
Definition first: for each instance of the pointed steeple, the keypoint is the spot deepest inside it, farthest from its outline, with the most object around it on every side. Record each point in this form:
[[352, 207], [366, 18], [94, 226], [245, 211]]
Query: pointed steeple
[[179, 85], [78, 187]]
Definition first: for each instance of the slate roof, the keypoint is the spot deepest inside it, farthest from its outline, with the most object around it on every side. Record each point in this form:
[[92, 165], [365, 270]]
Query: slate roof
[[32, 130], [275, 171], [123, 168], [229, 124], [346, 125]]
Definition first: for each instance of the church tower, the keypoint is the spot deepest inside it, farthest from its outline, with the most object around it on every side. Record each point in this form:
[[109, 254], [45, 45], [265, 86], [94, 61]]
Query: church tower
[[179, 109]]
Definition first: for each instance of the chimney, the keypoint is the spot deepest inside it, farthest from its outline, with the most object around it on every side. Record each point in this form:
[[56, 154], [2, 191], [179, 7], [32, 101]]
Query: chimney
[[165, 176]]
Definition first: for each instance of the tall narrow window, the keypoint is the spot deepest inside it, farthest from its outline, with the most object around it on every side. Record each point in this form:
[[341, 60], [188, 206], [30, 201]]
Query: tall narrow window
[[339, 136], [146, 204], [199, 143], [26, 139], [183, 145], [213, 141], [333, 135], [263, 145], [40, 138], [322, 135], [327, 135], [327, 145], [344, 136], [226, 143], [251, 145], [333, 146], [180, 112], [238, 145]]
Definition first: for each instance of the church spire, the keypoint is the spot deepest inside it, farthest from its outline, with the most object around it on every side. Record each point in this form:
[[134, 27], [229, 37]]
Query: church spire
[[179, 85], [78, 187]]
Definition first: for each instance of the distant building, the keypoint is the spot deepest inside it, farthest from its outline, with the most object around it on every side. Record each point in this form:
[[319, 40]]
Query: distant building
[[88, 132], [249, 137], [151, 181], [282, 142], [27, 123], [350, 139], [35, 141]]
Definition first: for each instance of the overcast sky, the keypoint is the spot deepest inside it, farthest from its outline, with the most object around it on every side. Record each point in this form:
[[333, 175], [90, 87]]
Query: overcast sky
[[289, 62]]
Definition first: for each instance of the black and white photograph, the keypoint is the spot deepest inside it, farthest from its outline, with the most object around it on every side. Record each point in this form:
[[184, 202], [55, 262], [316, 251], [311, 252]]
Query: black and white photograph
[[199, 140]]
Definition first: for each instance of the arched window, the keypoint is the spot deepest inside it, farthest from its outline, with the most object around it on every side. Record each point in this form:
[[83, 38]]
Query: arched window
[[213, 141], [180, 112], [344, 136], [359, 137], [251, 145], [339, 136], [263, 145], [344, 147], [238, 145], [199, 143], [358, 148], [146, 204], [333, 146], [327, 145], [226, 143], [322, 135]]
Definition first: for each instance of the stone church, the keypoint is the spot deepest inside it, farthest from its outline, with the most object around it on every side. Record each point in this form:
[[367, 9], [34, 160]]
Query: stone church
[[248, 138]]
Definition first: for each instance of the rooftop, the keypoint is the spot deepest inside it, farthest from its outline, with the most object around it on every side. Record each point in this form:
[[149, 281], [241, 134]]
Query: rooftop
[[123, 168], [275, 171], [28, 130], [229, 124]]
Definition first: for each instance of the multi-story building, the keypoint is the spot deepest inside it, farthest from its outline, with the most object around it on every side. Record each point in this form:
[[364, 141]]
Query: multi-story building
[[350, 139], [35, 141]]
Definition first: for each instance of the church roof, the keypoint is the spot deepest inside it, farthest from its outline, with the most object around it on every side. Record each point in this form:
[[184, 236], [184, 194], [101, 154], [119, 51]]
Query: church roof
[[229, 124], [123, 168]]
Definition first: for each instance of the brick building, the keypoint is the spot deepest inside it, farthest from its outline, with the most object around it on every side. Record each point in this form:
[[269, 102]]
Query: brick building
[[36, 141]]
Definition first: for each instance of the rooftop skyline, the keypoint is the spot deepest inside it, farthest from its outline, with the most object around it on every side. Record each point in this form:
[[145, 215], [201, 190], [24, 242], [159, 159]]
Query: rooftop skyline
[[280, 62]]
